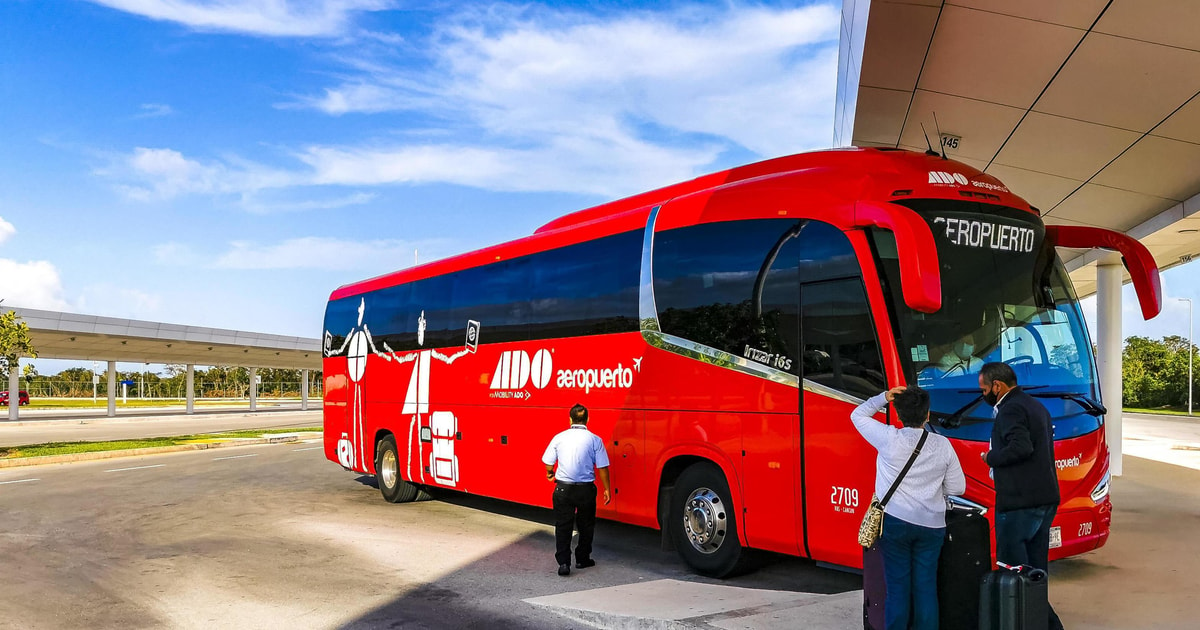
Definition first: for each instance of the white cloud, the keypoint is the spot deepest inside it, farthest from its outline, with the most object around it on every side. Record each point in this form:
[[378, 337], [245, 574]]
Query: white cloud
[[321, 253], [590, 165], [114, 301], [759, 77], [154, 110], [175, 254], [6, 230], [535, 99], [562, 101], [311, 252], [277, 18], [149, 174], [33, 284], [262, 206]]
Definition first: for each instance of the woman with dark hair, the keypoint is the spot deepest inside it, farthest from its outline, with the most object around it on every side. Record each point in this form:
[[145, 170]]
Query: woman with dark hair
[[914, 521]]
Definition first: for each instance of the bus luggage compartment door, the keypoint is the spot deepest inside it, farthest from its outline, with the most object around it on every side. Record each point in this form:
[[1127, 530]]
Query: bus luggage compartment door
[[442, 460]]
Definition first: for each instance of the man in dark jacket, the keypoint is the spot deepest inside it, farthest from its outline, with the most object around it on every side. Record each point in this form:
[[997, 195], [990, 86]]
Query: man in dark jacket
[[1022, 461]]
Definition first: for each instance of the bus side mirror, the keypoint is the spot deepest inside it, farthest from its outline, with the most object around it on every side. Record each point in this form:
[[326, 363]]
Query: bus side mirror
[[920, 275], [1143, 271]]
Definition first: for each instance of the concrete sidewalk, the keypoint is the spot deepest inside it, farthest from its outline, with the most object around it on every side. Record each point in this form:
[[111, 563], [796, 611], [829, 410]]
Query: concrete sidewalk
[[678, 605], [95, 429], [1145, 577]]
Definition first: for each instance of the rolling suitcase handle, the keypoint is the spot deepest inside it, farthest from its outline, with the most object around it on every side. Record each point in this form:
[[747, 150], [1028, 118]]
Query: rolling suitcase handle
[[1014, 598]]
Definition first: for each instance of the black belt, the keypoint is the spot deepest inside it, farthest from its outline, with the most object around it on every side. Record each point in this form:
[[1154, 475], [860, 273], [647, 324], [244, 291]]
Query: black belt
[[575, 483]]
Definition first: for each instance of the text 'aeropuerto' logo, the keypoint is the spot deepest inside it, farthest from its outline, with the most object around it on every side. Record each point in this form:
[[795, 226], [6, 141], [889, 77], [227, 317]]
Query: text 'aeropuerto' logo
[[516, 371]]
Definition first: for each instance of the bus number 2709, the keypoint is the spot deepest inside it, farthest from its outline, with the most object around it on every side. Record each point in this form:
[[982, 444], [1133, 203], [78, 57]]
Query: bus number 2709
[[844, 499]]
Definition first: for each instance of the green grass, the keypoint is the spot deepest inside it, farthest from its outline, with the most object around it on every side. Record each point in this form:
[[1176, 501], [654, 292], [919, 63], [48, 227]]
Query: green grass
[[70, 448], [86, 403], [1168, 411]]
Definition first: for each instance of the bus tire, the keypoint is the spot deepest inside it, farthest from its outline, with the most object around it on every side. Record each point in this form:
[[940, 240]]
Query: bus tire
[[387, 474], [702, 522]]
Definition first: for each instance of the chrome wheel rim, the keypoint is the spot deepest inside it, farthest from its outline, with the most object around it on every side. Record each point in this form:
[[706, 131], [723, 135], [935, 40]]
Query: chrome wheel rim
[[389, 469], [704, 520]]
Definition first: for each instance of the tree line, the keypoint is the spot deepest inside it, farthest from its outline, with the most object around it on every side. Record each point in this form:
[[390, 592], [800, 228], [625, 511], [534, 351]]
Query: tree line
[[1155, 372], [214, 382]]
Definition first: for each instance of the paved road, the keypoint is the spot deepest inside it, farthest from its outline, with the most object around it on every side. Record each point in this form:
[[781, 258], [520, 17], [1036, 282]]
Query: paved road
[[275, 536], [1170, 439], [279, 537], [96, 429], [83, 413]]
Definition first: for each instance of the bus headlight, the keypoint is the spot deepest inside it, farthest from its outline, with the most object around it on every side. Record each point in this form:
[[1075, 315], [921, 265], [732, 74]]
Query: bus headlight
[[1101, 489]]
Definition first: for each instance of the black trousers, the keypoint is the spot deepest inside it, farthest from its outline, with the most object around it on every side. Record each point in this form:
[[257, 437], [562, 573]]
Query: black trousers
[[574, 506]]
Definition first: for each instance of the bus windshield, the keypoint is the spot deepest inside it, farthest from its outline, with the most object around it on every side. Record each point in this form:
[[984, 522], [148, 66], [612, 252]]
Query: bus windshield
[[1005, 297]]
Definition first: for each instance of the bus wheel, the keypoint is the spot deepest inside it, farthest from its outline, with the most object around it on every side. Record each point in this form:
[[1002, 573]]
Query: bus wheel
[[702, 522], [387, 474]]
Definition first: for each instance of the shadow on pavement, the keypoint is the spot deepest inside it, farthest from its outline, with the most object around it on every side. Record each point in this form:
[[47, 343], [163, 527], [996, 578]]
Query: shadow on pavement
[[488, 592]]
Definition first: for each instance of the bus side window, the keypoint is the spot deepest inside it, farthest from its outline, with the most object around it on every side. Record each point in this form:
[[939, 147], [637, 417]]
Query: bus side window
[[704, 288], [840, 348]]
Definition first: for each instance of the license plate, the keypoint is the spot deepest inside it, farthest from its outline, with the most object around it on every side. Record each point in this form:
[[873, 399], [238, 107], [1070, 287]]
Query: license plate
[[1055, 537]]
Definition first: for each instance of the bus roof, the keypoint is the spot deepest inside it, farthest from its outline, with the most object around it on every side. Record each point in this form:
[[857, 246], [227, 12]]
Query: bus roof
[[857, 173]]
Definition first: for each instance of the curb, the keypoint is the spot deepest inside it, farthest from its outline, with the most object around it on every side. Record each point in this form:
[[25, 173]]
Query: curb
[[134, 452], [123, 418]]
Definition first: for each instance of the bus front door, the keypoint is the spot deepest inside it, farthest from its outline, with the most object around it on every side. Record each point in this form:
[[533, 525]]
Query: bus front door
[[840, 368]]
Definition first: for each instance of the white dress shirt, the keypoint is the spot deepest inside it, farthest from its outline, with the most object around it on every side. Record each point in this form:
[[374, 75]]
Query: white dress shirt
[[921, 497], [579, 453]]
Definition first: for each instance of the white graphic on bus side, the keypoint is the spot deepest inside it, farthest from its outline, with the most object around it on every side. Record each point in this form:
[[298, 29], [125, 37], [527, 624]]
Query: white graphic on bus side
[[440, 427], [351, 449], [515, 371]]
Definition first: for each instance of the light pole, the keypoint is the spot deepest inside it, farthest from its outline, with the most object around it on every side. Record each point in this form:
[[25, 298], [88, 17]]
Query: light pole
[[1190, 353]]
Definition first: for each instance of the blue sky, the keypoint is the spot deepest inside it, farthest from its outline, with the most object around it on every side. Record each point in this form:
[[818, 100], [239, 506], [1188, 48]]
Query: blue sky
[[229, 162]]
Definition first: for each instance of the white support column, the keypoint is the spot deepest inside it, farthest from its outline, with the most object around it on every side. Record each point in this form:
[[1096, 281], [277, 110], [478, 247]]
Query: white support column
[[112, 388], [14, 390], [191, 388], [303, 390], [253, 388], [1109, 274]]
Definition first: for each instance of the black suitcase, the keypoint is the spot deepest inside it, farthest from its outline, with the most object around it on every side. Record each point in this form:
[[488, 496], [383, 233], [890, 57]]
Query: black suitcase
[[1014, 599], [966, 558], [874, 588]]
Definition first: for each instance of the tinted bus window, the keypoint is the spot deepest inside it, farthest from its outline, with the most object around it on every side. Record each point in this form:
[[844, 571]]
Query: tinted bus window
[[708, 289], [583, 289], [840, 347], [587, 289]]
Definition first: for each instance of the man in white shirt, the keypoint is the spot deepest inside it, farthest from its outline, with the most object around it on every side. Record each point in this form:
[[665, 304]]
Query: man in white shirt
[[579, 454], [914, 521]]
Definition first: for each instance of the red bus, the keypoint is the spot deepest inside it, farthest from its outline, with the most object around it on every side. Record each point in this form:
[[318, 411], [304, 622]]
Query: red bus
[[720, 331]]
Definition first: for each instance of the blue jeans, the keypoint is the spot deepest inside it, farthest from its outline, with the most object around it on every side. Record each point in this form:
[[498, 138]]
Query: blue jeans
[[910, 562], [1023, 537]]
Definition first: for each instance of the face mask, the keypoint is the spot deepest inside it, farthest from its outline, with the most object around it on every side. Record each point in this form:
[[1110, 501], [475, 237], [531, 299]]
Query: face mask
[[991, 398], [964, 350]]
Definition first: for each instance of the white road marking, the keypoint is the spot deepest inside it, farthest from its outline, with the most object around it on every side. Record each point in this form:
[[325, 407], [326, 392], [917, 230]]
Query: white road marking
[[235, 457], [135, 468], [311, 448], [17, 481]]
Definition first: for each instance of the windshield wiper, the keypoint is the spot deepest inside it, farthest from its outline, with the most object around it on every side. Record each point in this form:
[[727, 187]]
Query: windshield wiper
[[1090, 407], [954, 420]]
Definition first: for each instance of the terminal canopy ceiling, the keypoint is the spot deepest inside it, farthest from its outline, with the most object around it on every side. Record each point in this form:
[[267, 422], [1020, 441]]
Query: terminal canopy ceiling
[[58, 335], [1086, 108]]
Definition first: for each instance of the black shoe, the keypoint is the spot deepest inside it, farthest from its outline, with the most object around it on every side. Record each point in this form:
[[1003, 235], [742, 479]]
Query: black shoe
[[564, 569], [583, 564]]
